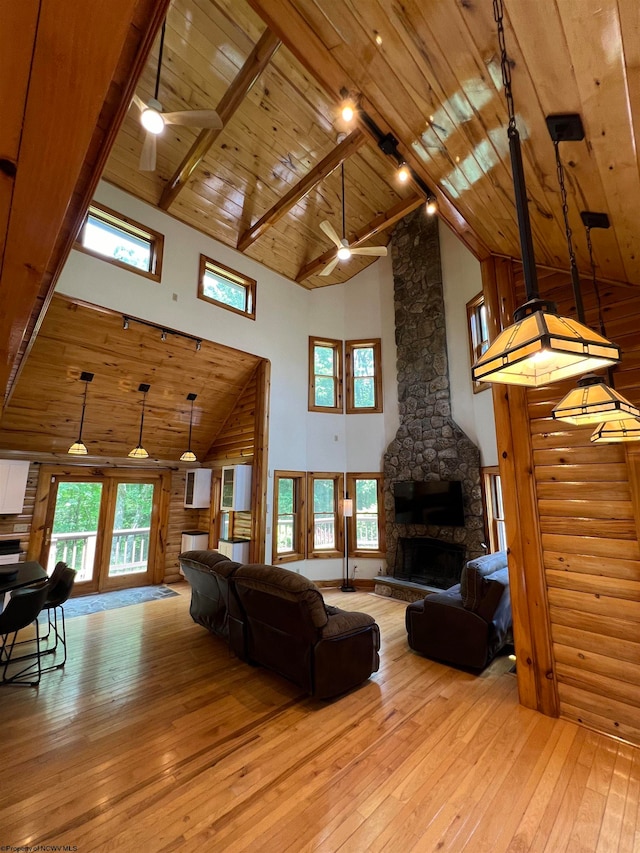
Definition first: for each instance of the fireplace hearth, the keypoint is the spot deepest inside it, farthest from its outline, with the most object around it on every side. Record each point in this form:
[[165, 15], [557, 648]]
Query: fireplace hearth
[[428, 561]]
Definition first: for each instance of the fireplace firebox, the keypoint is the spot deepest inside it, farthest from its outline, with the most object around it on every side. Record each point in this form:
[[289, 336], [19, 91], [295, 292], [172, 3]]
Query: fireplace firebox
[[429, 561]]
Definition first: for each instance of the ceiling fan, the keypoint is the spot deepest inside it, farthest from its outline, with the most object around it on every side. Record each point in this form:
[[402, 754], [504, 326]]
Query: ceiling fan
[[153, 120], [344, 249]]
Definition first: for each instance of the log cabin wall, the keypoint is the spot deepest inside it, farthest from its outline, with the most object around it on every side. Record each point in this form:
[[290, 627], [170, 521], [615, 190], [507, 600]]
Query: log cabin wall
[[575, 560], [19, 526]]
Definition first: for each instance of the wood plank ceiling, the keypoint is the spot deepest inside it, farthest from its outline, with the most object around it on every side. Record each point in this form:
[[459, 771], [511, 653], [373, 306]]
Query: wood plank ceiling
[[43, 415], [430, 75]]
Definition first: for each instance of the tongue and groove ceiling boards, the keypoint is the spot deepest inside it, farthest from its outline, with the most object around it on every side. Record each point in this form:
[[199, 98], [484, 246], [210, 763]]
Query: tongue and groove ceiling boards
[[429, 73]]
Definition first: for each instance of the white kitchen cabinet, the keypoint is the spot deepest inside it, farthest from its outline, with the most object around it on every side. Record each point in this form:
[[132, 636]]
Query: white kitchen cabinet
[[197, 488], [13, 485], [235, 494]]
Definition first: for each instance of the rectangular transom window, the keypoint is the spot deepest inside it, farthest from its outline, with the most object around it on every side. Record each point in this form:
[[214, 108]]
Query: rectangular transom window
[[121, 241], [226, 288], [478, 333], [289, 516], [366, 530], [325, 375], [325, 535], [364, 376]]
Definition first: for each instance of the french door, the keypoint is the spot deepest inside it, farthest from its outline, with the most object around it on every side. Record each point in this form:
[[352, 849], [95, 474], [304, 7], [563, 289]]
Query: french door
[[106, 526]]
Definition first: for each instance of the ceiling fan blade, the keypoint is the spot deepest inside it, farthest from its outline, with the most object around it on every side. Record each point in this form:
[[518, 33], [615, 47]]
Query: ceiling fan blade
[[330, 267], [140, 104], [330, 231], [194, 118], [379, 251], [148, 155]]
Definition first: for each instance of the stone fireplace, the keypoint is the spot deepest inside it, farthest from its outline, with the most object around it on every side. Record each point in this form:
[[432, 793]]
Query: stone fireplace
[[429, 444]]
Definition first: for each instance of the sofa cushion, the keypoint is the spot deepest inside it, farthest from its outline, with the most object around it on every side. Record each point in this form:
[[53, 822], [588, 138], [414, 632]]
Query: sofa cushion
[[472, 582], [208, 560], [285, 584], [345, 622]]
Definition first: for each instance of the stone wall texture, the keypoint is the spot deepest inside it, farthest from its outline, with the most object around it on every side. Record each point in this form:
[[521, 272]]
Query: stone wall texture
[[429, 445]]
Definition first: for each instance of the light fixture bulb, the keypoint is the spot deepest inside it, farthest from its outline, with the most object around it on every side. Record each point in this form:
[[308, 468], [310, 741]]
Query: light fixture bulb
[[403, 173], [152, 121], [138, 453], [347, 111], [344, 253], [432, 207], [78, 449], [188, 456]]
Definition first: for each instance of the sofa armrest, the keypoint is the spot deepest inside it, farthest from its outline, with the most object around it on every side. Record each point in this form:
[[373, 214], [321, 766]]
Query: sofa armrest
[[493, 592], [343, 622]]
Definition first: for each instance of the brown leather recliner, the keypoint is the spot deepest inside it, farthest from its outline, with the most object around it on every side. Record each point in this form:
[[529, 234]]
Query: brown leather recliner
[[208, 573], [279, 619]]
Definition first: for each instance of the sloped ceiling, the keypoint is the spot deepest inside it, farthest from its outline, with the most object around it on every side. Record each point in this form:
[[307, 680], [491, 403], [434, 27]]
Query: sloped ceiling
[[43, 415]]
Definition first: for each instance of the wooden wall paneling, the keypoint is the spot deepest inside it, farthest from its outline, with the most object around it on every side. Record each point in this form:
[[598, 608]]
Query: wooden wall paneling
[[18, 526], [536, 680]]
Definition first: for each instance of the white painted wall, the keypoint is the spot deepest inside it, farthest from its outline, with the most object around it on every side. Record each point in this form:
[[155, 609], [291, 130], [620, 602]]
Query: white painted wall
[[462, 281], [286, 316]]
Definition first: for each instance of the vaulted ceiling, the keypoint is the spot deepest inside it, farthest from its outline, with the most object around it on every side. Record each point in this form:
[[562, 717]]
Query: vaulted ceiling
[[427, 79], [430, 75]]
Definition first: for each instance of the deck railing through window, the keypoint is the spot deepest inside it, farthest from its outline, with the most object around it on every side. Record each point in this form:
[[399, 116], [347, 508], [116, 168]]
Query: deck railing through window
[[129, 551]]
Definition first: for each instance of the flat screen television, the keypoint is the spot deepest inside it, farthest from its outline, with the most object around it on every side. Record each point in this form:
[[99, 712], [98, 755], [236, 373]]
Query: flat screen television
[[435, 502]]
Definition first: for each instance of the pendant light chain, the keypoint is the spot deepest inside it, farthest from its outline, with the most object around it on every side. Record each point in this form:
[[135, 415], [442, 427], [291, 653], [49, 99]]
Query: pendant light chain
[[498, 14], [596, 287]]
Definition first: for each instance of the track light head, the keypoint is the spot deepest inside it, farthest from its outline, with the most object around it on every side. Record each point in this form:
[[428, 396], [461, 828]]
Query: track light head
[[403, 173], [432, 205]]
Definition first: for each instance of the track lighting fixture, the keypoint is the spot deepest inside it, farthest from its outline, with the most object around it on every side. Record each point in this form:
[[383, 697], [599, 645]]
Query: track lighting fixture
[[347, 110], [125, 323], [138, 451], [189, 455], [78, 448], [541, 347], [403, 173], [164, 330], [163, 335], [198, 345], [432, 205]]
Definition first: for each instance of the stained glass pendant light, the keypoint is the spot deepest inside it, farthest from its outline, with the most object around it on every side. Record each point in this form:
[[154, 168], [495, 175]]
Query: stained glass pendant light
[[138, 451], [624, 429], [189, 455], [78, 448], [541, 347]]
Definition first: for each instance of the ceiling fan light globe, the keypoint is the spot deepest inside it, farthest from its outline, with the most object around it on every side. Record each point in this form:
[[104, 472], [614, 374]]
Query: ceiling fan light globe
[[344, 253], [152, 121]]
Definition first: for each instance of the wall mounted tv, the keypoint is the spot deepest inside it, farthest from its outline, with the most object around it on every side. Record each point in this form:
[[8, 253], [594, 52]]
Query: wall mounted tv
[[435, 502]]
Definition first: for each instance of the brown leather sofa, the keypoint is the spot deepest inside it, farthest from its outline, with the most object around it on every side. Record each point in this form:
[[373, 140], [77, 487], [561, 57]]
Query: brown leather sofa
[[278, 619], [469, 623], [208, 573]]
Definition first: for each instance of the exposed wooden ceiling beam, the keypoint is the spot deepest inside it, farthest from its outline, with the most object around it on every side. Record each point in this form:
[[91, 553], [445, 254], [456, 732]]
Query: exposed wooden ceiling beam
[[282, 17], [255, 64], [320, 171], [380, 223], [81, 71]]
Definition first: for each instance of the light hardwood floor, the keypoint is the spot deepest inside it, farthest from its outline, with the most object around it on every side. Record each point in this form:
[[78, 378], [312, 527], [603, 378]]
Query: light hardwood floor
[[155, 738]]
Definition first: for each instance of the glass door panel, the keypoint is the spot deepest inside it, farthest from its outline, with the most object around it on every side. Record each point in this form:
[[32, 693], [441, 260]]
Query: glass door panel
[[74, 530], [131, 530]]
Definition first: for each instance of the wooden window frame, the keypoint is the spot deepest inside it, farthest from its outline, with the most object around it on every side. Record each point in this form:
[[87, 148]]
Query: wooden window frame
[[475, 346], [338, 493], [156, 241], [337, 376], [488, 475], [299, 524], [351, 491], [249, 284], [350, 346]]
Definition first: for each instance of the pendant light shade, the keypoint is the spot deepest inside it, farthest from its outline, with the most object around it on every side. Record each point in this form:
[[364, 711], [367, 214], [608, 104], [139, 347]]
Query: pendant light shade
[[542, 347], [189, 455], [624, 429], [78, 448], [138, 451], [593, 402]]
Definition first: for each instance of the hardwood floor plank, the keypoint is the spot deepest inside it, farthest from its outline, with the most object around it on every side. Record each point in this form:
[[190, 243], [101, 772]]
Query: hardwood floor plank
[[155, 738]]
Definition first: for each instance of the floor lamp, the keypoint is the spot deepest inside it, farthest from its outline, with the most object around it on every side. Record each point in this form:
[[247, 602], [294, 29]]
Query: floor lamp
[[347, 512]]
